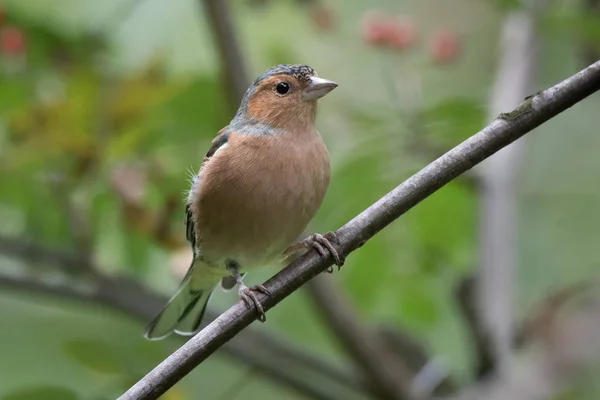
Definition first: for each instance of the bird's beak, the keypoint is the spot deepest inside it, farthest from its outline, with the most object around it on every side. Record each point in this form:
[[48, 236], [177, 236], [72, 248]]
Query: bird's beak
[[317, 88]]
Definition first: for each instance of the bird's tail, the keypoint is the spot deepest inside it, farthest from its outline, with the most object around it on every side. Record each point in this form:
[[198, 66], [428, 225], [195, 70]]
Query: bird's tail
[[183, 313]]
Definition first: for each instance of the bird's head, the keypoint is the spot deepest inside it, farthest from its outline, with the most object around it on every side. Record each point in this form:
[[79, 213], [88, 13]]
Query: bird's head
[[284, 97]]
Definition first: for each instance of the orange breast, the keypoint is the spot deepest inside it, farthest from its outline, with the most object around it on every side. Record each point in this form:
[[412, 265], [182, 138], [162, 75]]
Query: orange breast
[[257, 196]]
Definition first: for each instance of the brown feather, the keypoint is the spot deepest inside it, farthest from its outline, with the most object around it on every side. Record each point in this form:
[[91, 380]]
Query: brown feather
[[258, 194], [283, 111]]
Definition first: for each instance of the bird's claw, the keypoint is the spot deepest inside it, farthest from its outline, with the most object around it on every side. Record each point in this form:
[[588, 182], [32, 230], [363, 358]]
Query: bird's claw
[[322, 243], [249, 297]]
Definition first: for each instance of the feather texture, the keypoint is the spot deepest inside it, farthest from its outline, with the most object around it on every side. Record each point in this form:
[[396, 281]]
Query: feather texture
[[259, 185]]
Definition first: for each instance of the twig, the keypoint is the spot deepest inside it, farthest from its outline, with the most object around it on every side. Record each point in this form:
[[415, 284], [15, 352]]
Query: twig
[[76, 217], [34, 253], [507, 128], [388, 358], [232, 63], [430, 376], [480, 336], [498, 199], [255, 357], [388, 377], [544, 314], [558, 350], [305, 360], [258, 349], [236, 77]]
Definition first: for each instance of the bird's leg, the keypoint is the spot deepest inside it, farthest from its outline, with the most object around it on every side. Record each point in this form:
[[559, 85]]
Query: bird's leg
[[322, 243], [247, 293]]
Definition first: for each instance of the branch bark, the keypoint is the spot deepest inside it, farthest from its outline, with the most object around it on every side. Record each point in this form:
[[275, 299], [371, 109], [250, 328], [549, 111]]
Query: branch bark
[[498, 200], [257, 349], [113, 293], [373, 363], [483, 349], [507, 128]]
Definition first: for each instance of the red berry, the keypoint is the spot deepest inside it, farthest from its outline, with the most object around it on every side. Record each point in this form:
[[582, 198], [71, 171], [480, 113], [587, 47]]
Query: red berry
[[12, 40], [403, 35], [444, 46], [377, 28]]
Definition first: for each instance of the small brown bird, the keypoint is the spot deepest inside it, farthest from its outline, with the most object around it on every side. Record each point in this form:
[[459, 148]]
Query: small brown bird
[[262, 181]]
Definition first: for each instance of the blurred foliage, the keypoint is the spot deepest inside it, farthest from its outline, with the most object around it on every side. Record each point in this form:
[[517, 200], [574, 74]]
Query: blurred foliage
[[452, 120], [582, 24], [96, 157], [42, 393], [509, 4]]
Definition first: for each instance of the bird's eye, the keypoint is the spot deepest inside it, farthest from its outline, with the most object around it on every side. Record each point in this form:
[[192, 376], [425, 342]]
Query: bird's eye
[[282, 87]]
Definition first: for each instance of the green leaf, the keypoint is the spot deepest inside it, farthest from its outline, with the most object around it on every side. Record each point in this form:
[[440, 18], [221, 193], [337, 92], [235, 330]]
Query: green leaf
[[443, 228], [453, 120], [560, 24], [278, 54], [509, 4], [136, 250], [200, 108], [42, 393], [367, 273], [95, 355], [419, 306], [13, 94]]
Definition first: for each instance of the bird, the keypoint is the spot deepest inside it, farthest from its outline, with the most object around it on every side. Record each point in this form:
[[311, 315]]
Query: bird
[[260, 184]]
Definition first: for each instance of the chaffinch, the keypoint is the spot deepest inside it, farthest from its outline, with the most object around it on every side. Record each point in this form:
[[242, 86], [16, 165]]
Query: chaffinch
[[259, 186]]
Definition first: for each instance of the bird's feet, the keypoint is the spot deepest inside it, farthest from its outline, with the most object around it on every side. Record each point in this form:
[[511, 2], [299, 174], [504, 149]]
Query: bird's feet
[[323, 245], [248, 295]]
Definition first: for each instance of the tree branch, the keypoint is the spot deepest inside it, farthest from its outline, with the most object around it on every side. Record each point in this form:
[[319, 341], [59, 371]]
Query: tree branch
[[381, 378], [236, 77], [561, 343], [389, 378], [466, 295], [34, 253], [507, 128], [232, 64], [112, 293], [258, 349], [498, 199]]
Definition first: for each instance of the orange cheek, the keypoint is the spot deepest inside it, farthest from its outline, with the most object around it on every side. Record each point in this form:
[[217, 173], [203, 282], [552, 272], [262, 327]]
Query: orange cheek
[[259, 108]]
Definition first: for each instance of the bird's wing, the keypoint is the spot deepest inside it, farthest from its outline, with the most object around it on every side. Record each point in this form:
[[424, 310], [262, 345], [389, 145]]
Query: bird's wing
[[218, 142], [189, 226]]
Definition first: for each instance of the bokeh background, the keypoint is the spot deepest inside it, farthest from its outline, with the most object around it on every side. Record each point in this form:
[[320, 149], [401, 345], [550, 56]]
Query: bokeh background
[[105, 107]]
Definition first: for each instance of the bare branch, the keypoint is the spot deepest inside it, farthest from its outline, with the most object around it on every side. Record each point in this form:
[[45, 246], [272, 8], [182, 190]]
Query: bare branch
[[389, 378], [258, 349], [235, 75], [373, 362], [232, 64], [34, 253], [562, 343], [507, 128], [480, 336], [498, 213], [305, 361], [112, 293]]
